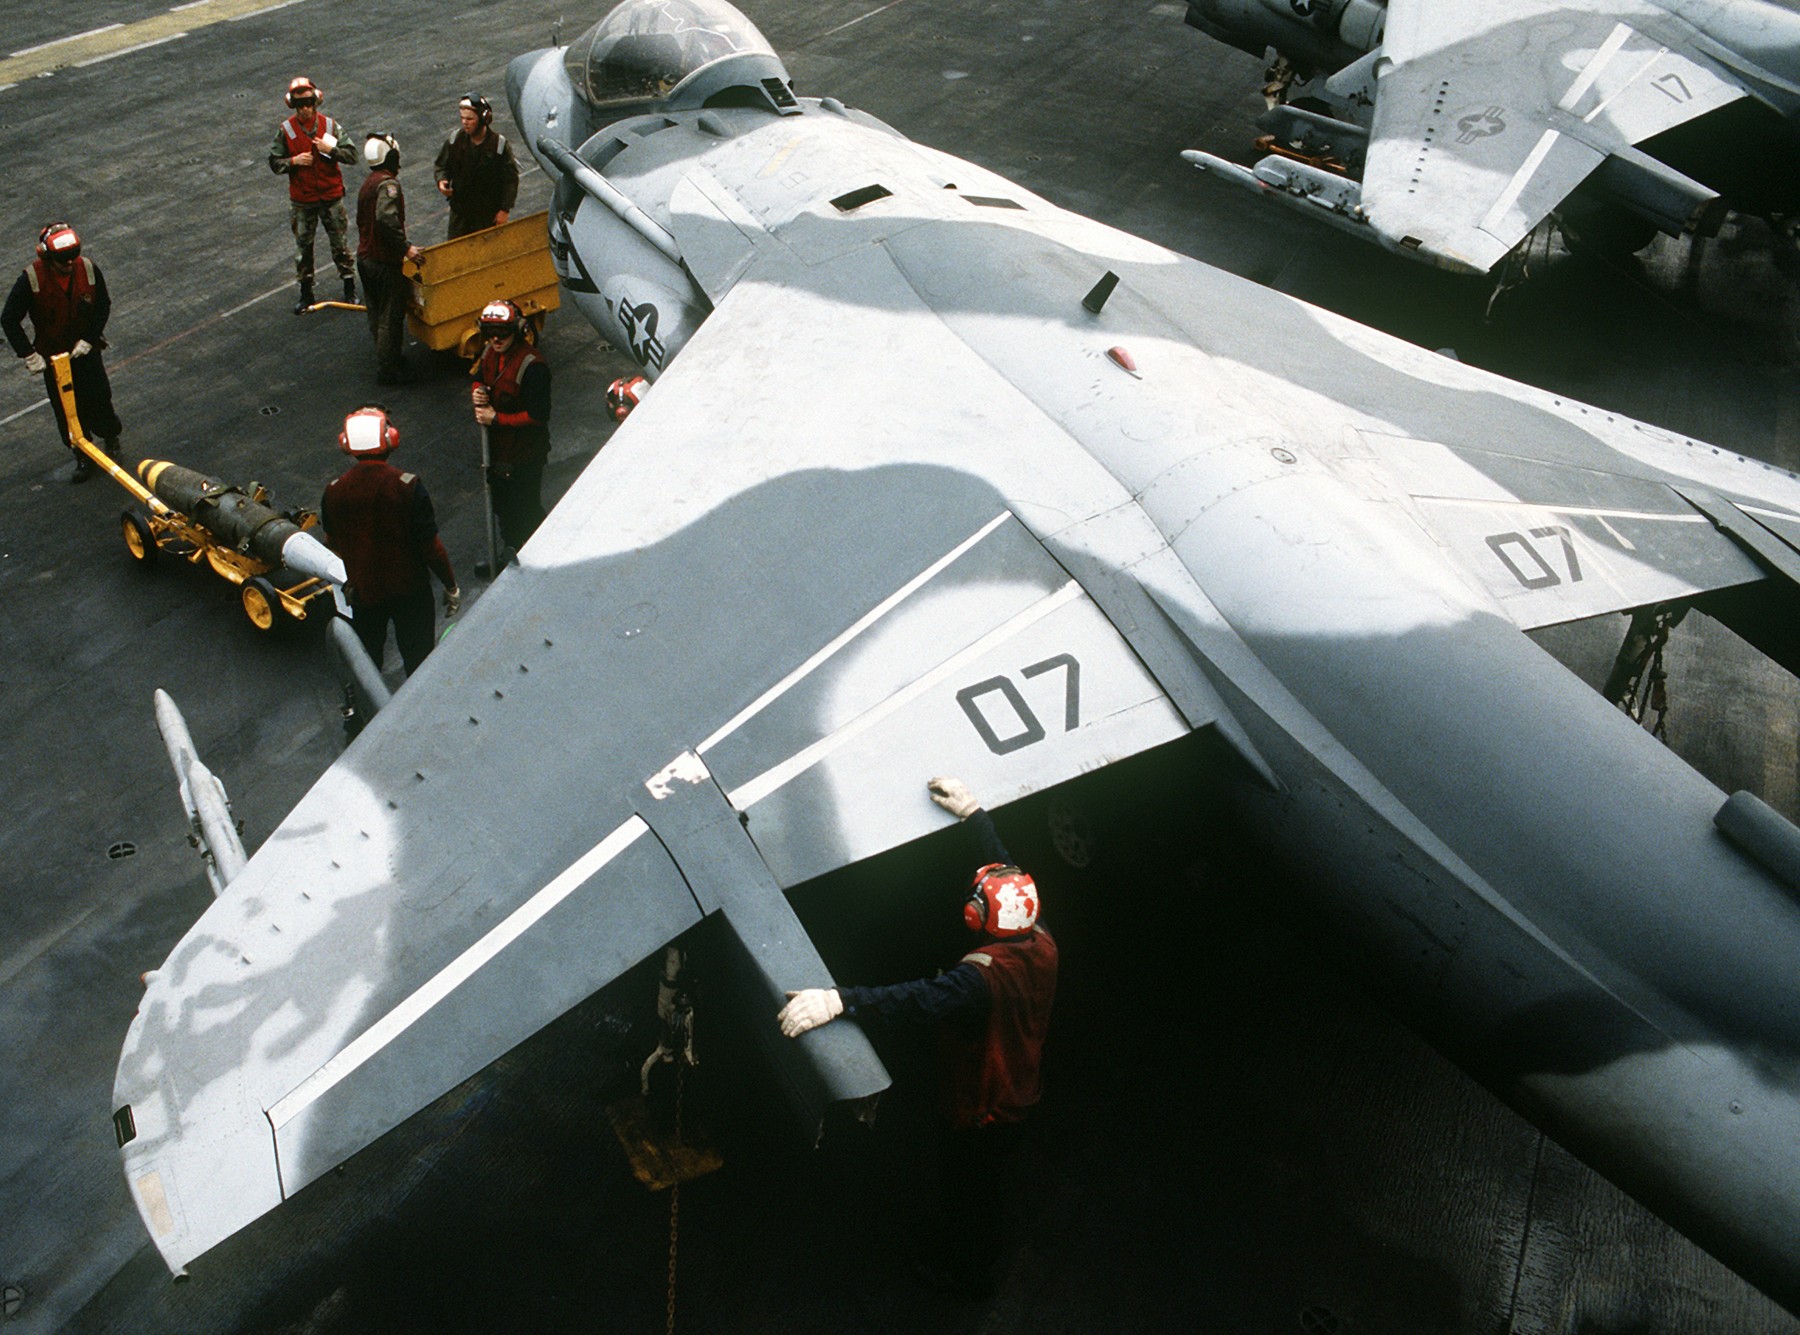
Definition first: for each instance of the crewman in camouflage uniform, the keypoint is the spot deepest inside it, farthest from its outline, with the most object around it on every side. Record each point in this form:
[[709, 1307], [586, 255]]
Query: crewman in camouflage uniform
[[307, 148]]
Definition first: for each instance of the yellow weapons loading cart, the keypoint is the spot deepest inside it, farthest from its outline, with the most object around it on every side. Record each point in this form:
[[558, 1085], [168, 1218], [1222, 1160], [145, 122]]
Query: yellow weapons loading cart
[[280, 568]]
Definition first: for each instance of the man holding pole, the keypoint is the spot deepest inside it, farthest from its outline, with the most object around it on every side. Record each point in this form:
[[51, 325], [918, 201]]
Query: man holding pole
[[512, 405], [63, 293]]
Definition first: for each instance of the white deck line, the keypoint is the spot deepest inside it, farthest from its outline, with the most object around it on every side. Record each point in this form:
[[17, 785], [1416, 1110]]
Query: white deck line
[[390, 1026], [63, 41], [880, 610], [858, 19], [127, 50], [266, 9], [747, 794], [13, 417], [226, 315]]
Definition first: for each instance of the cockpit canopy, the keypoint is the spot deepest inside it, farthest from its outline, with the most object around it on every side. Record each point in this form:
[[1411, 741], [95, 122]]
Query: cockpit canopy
[[645, 49]]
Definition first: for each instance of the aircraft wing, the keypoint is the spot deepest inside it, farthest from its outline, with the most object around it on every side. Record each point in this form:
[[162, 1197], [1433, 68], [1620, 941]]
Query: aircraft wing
[[728, 662], [1487, 116], [901, 506]]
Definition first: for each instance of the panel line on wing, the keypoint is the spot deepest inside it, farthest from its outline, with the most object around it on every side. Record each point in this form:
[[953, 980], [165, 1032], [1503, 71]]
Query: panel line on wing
[[868, 619], [459, 970], [1597, 512], [749, 793]]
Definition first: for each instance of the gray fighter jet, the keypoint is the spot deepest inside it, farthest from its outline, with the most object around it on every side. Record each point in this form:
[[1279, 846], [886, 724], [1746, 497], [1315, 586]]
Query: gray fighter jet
[[1448, 131], [935, 475]]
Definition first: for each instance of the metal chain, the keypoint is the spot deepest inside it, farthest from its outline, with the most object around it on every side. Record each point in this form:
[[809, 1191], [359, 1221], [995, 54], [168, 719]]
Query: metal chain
[[675, 1198], [1650, 689]]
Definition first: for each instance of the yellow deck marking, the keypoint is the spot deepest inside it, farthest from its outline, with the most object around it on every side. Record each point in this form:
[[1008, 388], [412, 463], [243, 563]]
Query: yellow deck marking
[[85, 48]]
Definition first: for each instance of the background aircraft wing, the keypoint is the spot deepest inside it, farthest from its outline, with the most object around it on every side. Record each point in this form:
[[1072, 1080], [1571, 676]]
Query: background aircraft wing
[[1488, 116]]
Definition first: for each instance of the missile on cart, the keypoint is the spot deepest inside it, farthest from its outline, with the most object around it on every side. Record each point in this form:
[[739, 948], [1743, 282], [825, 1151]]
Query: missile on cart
[[236, 519]]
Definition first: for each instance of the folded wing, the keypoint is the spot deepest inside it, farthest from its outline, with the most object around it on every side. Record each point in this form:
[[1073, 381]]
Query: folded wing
[[1489, 115]]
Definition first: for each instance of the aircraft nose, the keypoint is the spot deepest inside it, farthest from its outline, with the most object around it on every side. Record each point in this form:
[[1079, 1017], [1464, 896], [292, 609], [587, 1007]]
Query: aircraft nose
[[527, 92]]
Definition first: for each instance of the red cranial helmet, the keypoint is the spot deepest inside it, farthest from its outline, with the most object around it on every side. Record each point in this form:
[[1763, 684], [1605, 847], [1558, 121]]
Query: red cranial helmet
[[58, 242], [368, 434], [303, 90], [1002, 902], [625, 394], [500, 317]]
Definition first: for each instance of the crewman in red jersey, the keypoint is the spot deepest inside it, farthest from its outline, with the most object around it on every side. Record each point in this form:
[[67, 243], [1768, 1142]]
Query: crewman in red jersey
[[512, 401], [307, 148], [382, 248], [63, 293], [381, 522], [991, 1011]]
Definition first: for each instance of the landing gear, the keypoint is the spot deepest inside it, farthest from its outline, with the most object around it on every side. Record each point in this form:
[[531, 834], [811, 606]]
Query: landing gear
[[1638, 683], [1605, 231], [1071, 834]]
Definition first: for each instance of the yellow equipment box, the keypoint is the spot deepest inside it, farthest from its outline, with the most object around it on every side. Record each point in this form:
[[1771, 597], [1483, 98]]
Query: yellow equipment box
[[453, 280]]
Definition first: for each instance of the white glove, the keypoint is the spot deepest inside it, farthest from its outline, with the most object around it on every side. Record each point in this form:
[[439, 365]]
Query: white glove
[[34, 363], [81, 349], [808, 1010], [452, 602], [953, 795], [328, 142]]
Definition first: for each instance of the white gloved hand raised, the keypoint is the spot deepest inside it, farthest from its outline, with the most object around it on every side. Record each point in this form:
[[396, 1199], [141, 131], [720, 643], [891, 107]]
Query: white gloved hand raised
[[34, 363], [808, 1010], [81, 349], [953, 795]]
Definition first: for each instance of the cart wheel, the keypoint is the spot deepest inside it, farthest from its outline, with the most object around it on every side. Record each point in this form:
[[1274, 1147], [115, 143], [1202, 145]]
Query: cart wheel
[[139, 540], [261, 603]]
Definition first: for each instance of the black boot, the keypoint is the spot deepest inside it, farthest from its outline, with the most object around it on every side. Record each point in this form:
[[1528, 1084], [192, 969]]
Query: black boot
[[305, 304], [83, 470], [350, 291]]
